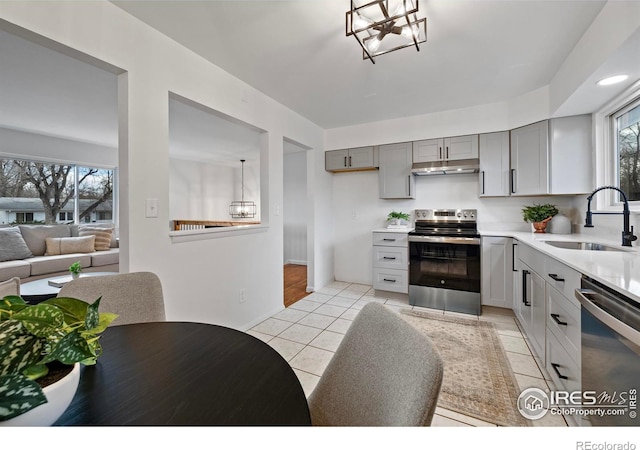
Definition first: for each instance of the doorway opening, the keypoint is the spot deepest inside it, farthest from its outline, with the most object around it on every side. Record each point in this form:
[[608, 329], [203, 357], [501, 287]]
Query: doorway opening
[[295, 222]]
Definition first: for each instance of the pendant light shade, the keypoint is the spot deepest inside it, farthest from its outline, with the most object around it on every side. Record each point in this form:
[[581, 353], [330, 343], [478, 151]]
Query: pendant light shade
[[240, 209]]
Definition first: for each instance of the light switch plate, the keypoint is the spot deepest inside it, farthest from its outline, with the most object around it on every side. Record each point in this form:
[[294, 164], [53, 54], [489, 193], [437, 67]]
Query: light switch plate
[[151, 207]]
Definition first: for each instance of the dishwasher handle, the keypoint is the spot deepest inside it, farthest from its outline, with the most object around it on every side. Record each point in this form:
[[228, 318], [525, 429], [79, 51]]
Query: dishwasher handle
[[585, 297]]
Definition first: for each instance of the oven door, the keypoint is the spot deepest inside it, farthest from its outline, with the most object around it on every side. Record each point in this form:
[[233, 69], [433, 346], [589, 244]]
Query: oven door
[[444, 273]]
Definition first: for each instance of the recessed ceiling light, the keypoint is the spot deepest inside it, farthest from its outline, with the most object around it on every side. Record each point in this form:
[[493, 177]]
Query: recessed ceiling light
[[612, 80]]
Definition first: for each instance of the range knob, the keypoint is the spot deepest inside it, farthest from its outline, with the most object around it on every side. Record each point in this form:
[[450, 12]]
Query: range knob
[[465, 215], [459, 214]]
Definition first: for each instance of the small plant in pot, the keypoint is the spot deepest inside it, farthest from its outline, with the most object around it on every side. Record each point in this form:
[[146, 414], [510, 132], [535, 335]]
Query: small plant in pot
[[41, 344], [398, 219], [539, 215], [75, 269]]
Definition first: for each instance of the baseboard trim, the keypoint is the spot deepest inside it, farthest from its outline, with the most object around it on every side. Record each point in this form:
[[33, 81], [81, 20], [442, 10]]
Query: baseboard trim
[[296, 262]]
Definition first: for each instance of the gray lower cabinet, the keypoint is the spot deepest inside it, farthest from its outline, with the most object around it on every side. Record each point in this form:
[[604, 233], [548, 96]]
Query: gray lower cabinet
[[496, 266], [390, 262], [395, 179], [549, 315]]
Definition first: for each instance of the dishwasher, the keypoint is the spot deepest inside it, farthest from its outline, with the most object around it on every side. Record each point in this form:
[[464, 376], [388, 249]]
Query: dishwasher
[[610, 352]]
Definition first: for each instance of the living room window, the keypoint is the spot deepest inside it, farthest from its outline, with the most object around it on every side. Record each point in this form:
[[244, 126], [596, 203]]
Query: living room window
[[54, 192]]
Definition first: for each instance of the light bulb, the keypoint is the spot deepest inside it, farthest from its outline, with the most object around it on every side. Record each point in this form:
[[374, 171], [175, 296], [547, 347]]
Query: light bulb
[[410, 31], [373, 44], [401, 10], [360, 22]]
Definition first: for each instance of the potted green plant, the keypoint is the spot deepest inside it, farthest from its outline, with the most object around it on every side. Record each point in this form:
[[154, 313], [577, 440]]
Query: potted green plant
[[44, 341], [397, 219], [539, 215], [75, 269]]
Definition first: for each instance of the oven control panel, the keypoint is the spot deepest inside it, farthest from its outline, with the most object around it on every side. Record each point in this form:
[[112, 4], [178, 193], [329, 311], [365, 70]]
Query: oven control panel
[[447, 215]]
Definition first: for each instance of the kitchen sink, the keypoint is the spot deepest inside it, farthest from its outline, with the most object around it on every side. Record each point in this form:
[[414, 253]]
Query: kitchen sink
[[574, 245]]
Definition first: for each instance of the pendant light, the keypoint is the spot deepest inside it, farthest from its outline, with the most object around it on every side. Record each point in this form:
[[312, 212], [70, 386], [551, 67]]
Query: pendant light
[[242, 209]]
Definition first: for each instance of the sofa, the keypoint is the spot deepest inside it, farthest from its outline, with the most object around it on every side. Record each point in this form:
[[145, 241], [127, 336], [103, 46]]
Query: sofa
[[32, 252]]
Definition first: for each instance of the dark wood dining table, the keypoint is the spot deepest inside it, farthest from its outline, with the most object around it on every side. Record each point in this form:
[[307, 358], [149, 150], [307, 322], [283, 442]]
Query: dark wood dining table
[[184, 373]]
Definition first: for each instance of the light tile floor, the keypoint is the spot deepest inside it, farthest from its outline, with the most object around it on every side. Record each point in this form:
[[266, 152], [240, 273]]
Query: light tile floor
[[308, 333]]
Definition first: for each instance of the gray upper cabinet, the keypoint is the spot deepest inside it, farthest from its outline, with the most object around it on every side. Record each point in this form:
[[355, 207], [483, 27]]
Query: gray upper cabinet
[[570, 155], [530, 159], [494, 164], [395, 179], [552, 157], [442, 149], [361, 158]]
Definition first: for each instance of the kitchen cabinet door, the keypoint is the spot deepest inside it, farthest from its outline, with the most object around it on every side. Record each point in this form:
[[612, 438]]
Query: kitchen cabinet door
[[522, 295], [494, 164], [461, 147], [361, 158], [336, 160], [395, 179], [530, 159], [497, 272], [538, 314], [428, 150], [571, 155]]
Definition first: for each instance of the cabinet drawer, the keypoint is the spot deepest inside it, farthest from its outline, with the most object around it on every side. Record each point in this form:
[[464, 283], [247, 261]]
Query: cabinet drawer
[[532, 258], [390, 239], [393, 280], [560, 363], [563, 278], [563, 319], [390, 257]]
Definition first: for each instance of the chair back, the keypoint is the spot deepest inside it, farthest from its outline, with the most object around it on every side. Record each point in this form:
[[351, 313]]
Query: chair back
[[384, 373], [10, 287], [136, 297]]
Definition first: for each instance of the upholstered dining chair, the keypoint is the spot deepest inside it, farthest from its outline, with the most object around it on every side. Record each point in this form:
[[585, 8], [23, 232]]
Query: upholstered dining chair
[[10, 287], [136, 297], [384, 373]]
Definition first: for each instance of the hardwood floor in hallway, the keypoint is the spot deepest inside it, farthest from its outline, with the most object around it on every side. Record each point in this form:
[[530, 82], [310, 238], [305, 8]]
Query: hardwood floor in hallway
[[295, 283]]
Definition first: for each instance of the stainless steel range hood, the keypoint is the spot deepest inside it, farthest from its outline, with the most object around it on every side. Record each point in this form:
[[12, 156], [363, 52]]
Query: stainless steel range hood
[[454, 167]]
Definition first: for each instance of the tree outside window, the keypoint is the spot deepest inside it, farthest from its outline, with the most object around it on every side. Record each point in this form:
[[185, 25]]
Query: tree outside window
[[50, 190], [628, 146]]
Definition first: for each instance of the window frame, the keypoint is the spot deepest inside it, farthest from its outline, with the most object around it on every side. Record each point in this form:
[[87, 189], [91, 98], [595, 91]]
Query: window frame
[[606, 154]]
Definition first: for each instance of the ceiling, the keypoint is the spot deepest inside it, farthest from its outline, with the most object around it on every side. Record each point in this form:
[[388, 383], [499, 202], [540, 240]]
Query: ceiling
[[296, 52]]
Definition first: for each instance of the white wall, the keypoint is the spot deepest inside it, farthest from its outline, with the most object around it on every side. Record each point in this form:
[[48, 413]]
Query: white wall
[[48, 148], [294, 207], [358, 211], [201, 279]]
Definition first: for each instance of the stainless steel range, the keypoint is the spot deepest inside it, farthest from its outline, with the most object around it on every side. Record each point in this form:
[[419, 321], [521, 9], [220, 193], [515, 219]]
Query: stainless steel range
[[444, 260]]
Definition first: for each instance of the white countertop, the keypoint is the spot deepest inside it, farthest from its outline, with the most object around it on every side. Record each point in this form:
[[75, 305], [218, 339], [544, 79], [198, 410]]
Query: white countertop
[[393, 230], [618, 270]]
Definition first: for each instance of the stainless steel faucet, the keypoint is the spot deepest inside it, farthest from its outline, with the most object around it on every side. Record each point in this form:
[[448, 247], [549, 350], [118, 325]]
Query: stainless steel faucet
[[627, 232]]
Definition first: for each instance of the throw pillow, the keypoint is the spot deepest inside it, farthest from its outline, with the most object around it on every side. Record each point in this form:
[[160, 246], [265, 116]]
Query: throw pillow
[[12, 245], [102, 235], [64, 246]]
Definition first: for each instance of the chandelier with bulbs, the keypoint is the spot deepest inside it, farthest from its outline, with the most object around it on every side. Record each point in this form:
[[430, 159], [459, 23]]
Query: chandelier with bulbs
[[382, 26]]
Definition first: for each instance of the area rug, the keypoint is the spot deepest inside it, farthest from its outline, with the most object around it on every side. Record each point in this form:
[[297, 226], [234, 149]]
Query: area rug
[[477, 379]]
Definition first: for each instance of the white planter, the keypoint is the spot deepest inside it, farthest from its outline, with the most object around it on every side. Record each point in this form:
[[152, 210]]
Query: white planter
[[59, 396]]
